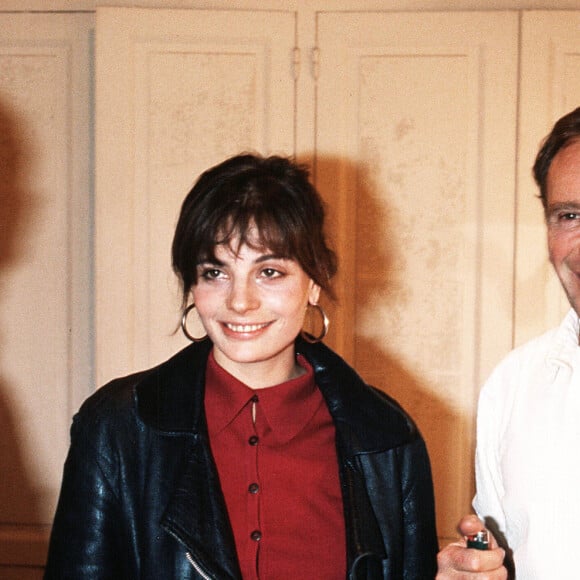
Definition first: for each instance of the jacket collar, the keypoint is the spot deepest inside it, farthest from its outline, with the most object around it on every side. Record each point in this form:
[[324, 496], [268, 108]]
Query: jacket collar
[[170, 398], [368, 419]]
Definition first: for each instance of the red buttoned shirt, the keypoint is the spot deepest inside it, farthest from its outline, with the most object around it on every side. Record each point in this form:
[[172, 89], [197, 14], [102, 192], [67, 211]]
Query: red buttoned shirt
[[276, 457]]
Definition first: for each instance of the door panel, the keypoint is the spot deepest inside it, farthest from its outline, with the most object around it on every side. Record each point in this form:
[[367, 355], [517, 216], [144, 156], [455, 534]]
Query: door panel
[[177, 91], [45, 266], [415, 132]]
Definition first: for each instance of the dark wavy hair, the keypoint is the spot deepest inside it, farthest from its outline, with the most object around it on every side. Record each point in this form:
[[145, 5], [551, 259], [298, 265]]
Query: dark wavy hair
[[249, 194], [565, 131]]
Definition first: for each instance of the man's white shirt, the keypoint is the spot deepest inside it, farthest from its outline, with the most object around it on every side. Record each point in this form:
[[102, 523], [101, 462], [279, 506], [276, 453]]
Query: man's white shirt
[[528, 453]]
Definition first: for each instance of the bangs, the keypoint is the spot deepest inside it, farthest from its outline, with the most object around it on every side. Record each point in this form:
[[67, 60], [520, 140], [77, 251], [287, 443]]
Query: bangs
[[258, 213], [259, 231]]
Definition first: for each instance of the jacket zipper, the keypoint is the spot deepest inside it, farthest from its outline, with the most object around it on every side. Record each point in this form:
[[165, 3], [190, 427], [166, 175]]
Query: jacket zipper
[[197, 567]]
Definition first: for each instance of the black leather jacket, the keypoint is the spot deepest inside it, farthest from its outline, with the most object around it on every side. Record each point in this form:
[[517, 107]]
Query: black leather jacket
[[141, 498]]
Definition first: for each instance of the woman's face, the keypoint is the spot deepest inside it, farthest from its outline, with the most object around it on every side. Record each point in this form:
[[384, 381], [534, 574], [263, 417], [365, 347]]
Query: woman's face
[[252, 305]]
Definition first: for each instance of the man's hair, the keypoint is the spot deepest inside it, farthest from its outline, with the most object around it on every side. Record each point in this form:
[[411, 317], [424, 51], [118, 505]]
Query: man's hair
[[565, 131]]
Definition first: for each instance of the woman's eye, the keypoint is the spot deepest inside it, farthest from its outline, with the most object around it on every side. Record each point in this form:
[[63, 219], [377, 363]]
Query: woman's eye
[[271, 273], [569, 216], [210, 273]]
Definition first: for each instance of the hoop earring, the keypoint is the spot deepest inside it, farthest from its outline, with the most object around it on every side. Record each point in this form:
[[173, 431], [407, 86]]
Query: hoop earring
[[184, 325], [325, 324]]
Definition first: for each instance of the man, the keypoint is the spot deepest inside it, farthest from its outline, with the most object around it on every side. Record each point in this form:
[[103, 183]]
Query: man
[[528, 433]]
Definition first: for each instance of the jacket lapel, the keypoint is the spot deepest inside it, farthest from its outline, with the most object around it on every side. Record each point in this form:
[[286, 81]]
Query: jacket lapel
[[171, 400], [196, 515]]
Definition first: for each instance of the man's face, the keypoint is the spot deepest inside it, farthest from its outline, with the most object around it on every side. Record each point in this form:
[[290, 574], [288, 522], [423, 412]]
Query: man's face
[[563, 219]]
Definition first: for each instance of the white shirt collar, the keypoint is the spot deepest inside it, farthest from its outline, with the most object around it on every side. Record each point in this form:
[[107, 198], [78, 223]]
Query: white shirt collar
[[565, 350]]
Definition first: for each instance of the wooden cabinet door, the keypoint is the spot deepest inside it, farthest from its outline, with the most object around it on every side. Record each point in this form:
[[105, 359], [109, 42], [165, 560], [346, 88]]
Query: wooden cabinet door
[[416, 117], [176, 92], [45, 270], [550, 87]]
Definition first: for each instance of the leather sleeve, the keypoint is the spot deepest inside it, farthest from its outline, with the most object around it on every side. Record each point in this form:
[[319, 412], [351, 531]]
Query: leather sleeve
[[397, 530], [87, 533], [420, 543]]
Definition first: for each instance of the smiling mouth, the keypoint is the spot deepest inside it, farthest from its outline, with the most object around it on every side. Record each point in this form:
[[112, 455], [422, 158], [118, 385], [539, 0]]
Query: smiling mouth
[[241, 328]]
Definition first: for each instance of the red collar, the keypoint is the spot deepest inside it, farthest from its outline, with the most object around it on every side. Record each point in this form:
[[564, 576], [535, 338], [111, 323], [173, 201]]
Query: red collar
[[287, 407]]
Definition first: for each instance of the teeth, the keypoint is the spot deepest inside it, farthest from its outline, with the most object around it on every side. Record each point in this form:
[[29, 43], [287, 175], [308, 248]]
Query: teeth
[[245, 327]]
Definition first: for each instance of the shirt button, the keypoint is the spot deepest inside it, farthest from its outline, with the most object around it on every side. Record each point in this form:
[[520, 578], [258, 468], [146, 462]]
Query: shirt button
[[253, 488], [254, 399], [253, 440], [256, 535]]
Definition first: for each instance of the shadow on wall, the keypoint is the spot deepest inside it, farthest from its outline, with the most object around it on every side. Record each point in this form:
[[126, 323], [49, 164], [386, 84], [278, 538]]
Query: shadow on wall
[[380, 303], [19, 507]]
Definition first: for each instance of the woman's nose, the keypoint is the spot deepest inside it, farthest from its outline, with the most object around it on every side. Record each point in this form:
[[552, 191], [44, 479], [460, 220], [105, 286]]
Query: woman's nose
[[243, 296]]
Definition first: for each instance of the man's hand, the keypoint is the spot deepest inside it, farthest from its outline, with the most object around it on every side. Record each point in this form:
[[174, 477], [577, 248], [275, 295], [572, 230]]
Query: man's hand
[[458, 562]]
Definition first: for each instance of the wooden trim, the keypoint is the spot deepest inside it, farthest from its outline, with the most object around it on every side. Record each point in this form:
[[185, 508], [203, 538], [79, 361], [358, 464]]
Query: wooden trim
[[23, 545], [289, 5]]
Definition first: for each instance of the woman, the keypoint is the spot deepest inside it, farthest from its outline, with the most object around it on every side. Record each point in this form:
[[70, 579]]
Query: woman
[[256, 452]]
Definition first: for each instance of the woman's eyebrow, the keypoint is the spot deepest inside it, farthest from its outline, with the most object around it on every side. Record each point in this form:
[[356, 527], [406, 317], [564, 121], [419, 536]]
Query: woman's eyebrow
[[260, 259], [266, 257], [210, 262]]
